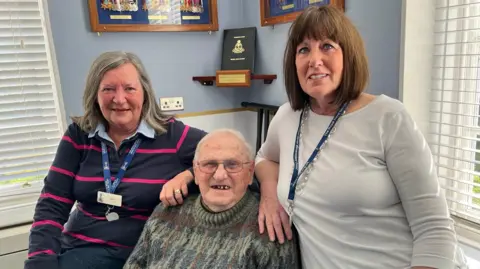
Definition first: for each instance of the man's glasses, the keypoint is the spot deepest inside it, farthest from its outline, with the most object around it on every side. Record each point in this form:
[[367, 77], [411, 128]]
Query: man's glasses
[[231, 166]]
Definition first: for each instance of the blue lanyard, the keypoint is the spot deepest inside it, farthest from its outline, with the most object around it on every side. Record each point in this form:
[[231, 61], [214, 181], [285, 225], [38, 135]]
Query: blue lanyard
[[106, 166], [296, 175]]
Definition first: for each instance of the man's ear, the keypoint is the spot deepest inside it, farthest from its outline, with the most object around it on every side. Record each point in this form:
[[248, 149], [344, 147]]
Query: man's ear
[[195, 172], [252, 167]]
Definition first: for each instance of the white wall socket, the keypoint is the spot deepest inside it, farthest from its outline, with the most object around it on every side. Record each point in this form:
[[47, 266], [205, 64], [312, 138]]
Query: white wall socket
[[171, 103]]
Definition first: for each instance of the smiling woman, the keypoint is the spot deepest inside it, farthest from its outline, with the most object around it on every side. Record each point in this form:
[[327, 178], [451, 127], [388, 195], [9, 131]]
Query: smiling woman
[[112, 162], [355, 189], [120, 99]]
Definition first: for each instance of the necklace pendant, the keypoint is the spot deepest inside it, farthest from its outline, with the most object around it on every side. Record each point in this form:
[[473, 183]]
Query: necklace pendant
[[112, 216]]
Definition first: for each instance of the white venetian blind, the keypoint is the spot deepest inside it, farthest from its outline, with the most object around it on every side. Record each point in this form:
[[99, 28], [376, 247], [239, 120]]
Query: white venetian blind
[[30, 125], [455, 102]]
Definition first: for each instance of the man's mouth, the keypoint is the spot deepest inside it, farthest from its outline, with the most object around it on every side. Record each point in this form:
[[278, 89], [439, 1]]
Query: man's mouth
[[220, 187]]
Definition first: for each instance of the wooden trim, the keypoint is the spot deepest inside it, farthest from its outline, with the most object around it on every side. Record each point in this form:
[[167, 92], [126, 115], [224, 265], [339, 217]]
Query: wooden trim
[[213, 112], [265, 8], [209, 80], [97, 27]]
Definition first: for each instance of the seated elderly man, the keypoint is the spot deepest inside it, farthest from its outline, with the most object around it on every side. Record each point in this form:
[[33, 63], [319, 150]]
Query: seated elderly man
[[218, 228]]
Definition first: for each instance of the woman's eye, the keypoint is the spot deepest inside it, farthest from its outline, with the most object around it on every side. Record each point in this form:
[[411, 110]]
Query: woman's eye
[[303, 50], [327, 46]]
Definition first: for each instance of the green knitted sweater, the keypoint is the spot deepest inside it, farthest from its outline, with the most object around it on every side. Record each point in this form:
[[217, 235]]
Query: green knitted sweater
[[191, 236]]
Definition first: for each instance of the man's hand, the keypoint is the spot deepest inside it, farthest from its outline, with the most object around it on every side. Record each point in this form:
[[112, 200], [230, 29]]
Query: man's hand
[[176, 189]]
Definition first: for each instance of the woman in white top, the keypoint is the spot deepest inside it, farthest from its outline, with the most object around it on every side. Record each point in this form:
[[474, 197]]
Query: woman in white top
[[349, 169]]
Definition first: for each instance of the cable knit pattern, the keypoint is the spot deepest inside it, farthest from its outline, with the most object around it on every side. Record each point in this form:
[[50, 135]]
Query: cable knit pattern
[[191, 236]]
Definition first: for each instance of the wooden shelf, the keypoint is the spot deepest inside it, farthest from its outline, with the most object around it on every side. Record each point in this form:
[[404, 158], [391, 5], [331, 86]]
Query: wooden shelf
[[210, 80]]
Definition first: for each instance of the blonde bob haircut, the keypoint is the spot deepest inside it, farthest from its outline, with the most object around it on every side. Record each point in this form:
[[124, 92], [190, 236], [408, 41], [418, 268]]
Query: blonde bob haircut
[[320, 23], [107, 61]]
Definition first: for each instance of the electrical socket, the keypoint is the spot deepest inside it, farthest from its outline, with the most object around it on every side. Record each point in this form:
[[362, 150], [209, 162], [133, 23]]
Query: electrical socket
[[171, 103]]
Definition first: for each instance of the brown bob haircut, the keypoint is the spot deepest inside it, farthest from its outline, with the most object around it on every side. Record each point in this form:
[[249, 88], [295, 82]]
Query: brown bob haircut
[[320, 23]]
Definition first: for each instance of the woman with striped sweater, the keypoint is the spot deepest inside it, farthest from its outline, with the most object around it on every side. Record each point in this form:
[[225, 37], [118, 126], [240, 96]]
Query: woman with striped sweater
[[111, 165]]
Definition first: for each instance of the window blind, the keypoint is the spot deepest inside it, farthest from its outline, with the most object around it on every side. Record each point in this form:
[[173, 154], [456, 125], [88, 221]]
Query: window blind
[[455, 103], [30, 123]]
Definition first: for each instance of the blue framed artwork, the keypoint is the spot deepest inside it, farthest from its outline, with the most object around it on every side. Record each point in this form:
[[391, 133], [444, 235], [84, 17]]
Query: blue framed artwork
[[282, 11], [153, 15]]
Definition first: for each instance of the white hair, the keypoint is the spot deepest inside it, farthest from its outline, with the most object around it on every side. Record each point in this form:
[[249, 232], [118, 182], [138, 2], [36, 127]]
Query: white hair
[[237, 134]]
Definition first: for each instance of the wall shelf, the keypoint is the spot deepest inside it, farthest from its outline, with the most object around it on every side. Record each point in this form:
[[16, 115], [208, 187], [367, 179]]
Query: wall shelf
[[210, 80]]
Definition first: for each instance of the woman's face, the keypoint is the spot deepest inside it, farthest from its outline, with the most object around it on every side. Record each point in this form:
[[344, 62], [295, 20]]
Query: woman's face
[[319, 66], [120, 97]]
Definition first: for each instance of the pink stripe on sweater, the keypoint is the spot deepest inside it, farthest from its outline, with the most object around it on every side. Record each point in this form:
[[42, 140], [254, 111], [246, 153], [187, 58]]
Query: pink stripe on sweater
[[140, 217], [90, 214], [58, 198], [48, 251], [126, 180], [145, 181], [95, 240], [62, 171], [182, 138], [135, 209], [156, 151], [47, 222], [83, 147], [144, 151]]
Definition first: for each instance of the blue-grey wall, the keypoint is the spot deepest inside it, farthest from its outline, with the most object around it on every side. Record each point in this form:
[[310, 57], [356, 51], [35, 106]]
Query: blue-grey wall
[[173, 58], [379, 23]]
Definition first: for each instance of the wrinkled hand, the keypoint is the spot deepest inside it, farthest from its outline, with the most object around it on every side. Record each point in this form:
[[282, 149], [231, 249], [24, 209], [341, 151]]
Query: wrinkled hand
[[272, 215], [175, 189]]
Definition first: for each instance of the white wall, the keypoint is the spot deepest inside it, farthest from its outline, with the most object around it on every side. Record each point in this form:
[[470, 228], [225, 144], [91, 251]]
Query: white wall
[[416, 57]]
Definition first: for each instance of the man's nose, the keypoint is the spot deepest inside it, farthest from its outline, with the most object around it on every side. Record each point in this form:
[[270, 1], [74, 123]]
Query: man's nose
[[316, 57], [220, 173]]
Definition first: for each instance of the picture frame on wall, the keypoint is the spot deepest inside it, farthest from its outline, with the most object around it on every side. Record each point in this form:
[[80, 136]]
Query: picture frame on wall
[[153, 15], [282, 11]]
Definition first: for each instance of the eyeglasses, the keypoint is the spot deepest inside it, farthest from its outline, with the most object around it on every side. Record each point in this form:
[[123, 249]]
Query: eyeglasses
[[231, 166]]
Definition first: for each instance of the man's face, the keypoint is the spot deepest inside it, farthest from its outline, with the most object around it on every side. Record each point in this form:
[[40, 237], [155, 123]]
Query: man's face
[[223, 171]]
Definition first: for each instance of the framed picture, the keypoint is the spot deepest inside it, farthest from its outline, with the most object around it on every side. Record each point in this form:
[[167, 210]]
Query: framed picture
[[153, 15], [282, 11]]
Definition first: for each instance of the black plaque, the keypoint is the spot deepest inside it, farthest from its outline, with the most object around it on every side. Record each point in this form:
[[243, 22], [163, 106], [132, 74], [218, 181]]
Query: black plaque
[[239, 47]]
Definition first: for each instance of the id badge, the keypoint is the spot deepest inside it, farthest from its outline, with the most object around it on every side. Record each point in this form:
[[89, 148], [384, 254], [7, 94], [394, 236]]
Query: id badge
[[109, 198]]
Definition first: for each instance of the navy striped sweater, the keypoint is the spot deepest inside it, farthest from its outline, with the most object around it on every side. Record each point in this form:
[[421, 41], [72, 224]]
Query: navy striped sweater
[[76, 175]]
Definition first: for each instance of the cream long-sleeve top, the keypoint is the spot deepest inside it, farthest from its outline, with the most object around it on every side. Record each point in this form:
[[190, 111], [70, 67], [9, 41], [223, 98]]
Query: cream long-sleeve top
[[373, 199]]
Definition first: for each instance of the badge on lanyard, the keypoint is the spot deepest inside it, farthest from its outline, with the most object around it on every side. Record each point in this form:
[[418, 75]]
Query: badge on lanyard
[[108, 197], [296, 171]]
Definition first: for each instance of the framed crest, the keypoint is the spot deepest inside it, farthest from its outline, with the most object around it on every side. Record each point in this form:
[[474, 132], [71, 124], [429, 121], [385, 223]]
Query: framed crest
[[282, 11], [153, 15]]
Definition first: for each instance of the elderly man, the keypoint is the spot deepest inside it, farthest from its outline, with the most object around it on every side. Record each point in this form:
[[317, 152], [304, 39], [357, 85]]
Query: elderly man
[[218, 228]]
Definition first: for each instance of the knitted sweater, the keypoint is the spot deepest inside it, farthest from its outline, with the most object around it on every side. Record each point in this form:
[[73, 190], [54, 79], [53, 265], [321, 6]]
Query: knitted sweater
[[191, 236]]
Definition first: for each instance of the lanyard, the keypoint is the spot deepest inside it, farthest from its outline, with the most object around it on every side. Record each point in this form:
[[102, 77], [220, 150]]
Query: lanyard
[[296, 174], [106, 167]]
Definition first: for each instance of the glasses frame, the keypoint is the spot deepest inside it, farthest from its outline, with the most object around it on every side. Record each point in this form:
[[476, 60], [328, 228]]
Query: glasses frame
[[242, 165]]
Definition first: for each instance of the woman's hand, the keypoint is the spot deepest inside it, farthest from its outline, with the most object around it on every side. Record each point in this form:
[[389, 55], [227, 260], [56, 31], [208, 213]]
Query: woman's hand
[[176, 189], [272, 215]]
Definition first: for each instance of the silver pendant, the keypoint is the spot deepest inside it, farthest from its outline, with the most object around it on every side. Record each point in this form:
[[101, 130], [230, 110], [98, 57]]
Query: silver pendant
[[112, 216]]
